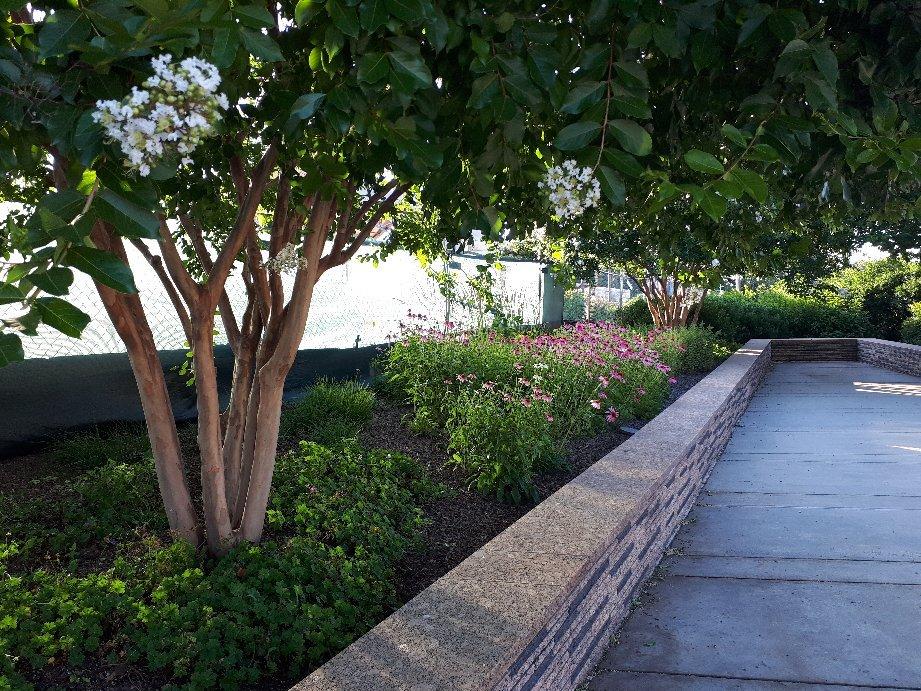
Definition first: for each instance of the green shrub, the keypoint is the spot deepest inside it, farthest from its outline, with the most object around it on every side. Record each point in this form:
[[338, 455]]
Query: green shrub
[[574, 306], [911, 330], [911, 327], [94, 447], [636, 312], [692, 349], [339, 520], [882, 289], [106, 502], [739, 317], [508, 403], [501, 443], [328, 412]]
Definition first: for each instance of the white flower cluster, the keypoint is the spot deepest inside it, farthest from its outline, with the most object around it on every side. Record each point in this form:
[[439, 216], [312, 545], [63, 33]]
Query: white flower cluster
[[571, 189], [287, 259], [176, 108]]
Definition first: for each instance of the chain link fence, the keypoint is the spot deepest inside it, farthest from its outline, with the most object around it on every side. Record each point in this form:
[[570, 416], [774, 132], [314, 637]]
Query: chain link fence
[[353, 305]]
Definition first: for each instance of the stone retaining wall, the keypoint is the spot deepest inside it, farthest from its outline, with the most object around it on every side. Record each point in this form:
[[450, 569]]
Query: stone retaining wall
[[899, 357], [813, 349], [534, 607]]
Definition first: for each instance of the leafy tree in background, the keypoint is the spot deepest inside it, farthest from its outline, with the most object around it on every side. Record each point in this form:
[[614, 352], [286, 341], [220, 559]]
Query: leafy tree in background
[[338, 107], [883, 289]]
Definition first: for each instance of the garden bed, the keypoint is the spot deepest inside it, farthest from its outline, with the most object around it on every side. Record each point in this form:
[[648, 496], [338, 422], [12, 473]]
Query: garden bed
[[86, 522]]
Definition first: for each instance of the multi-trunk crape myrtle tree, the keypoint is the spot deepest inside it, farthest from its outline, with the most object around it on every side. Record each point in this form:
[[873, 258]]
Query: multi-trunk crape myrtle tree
[[218, 135]]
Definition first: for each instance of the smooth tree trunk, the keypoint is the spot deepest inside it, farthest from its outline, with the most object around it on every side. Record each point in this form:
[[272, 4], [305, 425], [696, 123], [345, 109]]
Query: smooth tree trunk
[[671, 303], [127, 315], [237, 444]]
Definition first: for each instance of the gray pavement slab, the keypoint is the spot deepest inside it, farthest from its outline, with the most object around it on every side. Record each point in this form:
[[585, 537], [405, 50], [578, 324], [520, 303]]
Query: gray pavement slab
[[803, 532], [791, 569], [652, 681], [838, 633], [884, 477], [800, 564]]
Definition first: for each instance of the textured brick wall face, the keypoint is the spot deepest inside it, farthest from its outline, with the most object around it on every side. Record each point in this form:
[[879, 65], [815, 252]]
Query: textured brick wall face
[[570, 644], [898, 357], [813, 349]]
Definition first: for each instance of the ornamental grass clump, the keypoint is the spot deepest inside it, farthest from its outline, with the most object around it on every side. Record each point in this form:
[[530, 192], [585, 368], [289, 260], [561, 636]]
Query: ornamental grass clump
[[510, 402]]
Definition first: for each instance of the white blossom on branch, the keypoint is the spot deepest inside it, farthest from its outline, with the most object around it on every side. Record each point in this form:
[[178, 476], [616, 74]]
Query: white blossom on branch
[[571, 189], [175, 110]]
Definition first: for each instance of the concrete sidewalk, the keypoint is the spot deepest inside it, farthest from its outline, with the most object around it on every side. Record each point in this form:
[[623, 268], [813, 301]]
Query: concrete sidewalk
[[800, 565]]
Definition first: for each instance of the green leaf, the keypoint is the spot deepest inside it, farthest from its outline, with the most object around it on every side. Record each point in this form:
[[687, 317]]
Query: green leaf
[[611, 185], [345, 18], [54, 281], [10, 294], [763, 152], [255, 16], [705, 50], [629, 103], [753, 184], [666, 37], [302, 10], [10, 349], [797, 45], [407, 10], [639, 35], [303, 109], [483, 90], [87, 137], [825, 60], [632, 137], [542, 64], [373, 67], [226, 45], [734, 135], [712, 204], [373, 14], [411, 66], [262, 46], [576, 136], [632, 73], [62, 30], [703, 162], [102, 267], [624, 162], [755, 19], [128, 219], [61, 315], [583, 96]]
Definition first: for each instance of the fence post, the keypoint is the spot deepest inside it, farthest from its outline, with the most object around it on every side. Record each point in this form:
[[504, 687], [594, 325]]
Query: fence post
[[552, 295]]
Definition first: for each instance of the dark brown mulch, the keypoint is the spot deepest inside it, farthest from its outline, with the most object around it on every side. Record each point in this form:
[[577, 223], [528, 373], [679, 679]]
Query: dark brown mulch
[[462, 520]]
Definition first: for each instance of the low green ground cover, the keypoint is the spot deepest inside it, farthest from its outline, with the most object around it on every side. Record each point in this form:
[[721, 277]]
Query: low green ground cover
[[87, 573]]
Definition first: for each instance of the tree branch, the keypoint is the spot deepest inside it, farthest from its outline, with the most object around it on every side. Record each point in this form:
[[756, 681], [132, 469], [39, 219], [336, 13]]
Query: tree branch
[[156, 264], [242, 225]]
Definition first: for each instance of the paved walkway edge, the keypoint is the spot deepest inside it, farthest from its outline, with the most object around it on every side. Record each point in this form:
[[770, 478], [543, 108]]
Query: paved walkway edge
[[535, 606]]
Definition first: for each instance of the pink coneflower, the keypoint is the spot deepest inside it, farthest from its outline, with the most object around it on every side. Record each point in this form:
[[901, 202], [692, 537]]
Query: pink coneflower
[[611, 415], [596, 404]]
